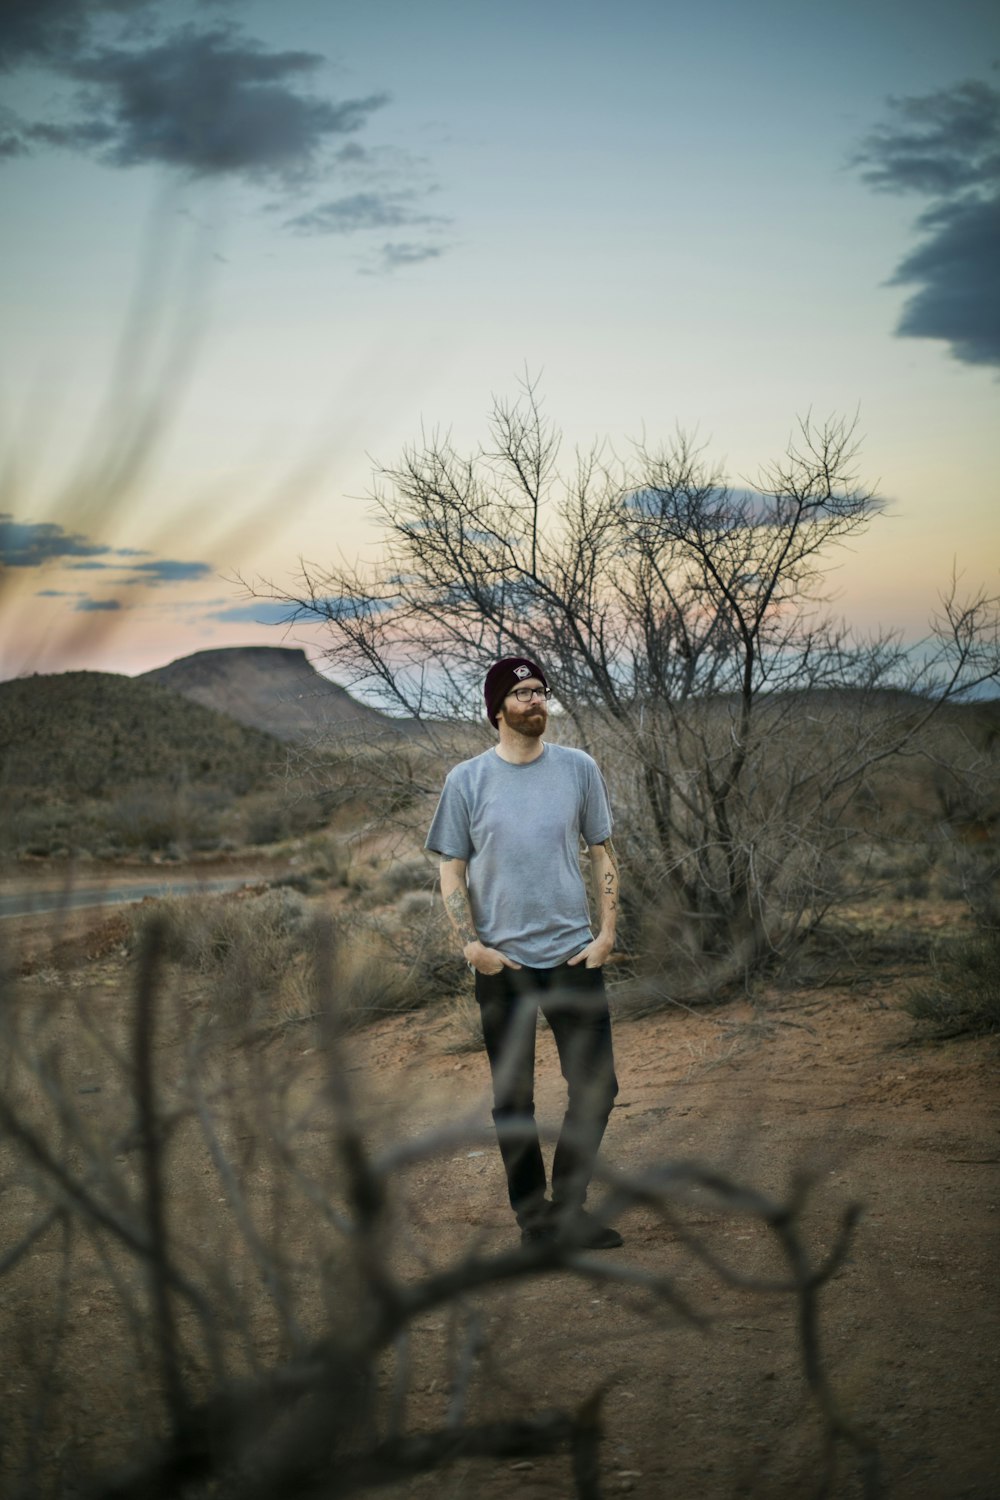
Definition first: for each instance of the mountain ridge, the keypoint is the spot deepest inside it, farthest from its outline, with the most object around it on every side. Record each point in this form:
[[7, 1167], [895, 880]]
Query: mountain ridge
[[271, 688]]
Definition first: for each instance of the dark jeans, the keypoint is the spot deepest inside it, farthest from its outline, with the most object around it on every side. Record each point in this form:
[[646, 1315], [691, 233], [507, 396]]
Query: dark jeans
[[574, 1003]]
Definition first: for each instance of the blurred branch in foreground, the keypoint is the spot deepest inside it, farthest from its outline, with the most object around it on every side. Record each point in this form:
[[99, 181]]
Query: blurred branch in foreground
[[248, 1247]]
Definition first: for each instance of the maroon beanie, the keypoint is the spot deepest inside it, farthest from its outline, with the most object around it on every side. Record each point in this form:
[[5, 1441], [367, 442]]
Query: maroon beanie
[[504, 675]]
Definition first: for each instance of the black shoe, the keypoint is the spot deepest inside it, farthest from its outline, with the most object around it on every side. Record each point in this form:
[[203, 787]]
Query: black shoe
[[538, 1234], [580, 1230]]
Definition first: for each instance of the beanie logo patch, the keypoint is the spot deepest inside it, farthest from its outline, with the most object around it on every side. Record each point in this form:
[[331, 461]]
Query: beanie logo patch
[[522, 671]]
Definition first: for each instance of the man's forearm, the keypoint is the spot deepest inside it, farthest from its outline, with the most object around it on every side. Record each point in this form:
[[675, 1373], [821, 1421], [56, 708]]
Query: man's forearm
[[604, 869], [455, 893]]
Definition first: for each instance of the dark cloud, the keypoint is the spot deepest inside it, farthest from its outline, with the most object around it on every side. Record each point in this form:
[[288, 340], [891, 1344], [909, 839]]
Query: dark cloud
[[35, 544], [211, 103], [946, 146], [87, 606], [206, 100], [956, 270], [937, 144], [169, 570], [48, 31], [363, 211], [29, 544]]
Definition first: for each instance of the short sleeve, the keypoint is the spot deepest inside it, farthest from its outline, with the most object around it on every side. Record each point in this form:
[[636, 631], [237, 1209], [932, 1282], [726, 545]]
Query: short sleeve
[[449, 831], [596, 822]]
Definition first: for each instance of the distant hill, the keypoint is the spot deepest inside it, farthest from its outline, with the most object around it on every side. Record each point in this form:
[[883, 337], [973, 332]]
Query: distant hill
[[90, 734], [273, 688]]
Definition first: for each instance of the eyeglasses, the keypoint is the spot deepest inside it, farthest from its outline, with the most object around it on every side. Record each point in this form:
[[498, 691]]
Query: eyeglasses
[[525, 695]]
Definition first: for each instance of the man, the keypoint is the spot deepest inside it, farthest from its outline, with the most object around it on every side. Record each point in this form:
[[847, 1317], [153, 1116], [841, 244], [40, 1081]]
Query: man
[[508, 828]]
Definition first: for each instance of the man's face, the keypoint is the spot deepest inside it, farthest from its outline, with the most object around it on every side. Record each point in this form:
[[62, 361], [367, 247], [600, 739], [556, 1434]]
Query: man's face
[[525, 718]]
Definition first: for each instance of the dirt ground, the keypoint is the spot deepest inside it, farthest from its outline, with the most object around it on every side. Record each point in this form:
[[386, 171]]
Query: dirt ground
[[813, 1084], [821, 1085]]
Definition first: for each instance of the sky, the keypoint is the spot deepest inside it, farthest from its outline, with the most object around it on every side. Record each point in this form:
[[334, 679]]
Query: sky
[[251, 250]]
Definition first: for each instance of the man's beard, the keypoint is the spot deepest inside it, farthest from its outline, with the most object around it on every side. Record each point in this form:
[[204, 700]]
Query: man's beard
[[531, 724]]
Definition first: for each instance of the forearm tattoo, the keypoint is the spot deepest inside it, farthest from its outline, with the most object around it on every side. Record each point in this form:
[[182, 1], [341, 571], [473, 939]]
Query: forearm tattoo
[[609, 883], [457, 906]]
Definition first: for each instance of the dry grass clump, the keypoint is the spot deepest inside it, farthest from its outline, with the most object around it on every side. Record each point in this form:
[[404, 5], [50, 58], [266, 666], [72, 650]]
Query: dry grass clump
[[963, 996], [401, 958], [403, 876], [248, 944], [254, 946]]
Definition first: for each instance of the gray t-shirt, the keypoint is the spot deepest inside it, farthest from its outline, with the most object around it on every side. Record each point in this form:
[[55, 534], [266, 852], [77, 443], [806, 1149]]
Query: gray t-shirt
[[519, 827]]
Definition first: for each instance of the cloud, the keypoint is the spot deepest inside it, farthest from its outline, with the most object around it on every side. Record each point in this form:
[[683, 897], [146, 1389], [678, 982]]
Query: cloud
[[30, 544], [391, 257], [938, 144], [362, 211], [945, 146], [38, 544], [89, 605], [263, 612], [210, 103], [42, 30], [204, 99], [170, 570], [956, 269]]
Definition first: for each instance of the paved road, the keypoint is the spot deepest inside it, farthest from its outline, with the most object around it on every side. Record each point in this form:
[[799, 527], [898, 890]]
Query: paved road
[[30, 903]]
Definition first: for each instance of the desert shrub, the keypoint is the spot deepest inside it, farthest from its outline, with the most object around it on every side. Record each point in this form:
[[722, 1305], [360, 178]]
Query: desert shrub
[[45, 829], [465, 1032], [426, 945], [245, 943], [963, 996], [269, 816], [404, 875], [400, 960], [148, 817], [370, 984], [971, 873], [325, 861]]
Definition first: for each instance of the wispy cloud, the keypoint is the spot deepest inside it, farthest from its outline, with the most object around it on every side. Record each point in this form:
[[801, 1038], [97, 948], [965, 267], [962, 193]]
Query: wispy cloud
[[89, 606], [360, 211], [44, 544], [945, 146], [170, 570], [30, 544], [263, 612], [391, 257]]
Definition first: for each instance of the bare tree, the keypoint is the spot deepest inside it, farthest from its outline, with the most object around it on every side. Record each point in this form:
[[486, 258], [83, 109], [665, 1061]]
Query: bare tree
[[684, 623]]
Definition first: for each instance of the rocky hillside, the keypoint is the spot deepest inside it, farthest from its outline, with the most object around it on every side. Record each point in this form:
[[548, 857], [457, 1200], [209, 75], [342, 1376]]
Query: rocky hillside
[[273, 688], [90, 734]]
